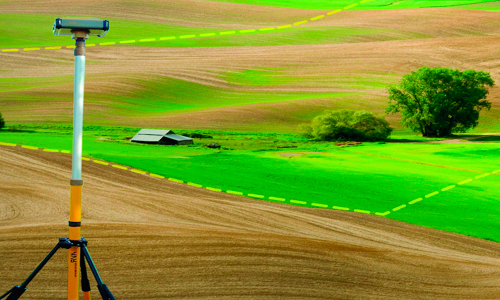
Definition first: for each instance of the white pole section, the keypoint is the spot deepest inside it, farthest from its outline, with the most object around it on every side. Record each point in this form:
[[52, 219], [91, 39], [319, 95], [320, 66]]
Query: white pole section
[[78, 116]]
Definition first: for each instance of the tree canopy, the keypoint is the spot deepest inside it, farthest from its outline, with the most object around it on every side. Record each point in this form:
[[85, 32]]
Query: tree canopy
[[347, 125], [2, 121], [439, 101]]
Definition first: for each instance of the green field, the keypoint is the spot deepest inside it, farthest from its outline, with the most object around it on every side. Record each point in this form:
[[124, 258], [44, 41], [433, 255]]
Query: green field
[[370, 177], [125, 30], [375, 4]]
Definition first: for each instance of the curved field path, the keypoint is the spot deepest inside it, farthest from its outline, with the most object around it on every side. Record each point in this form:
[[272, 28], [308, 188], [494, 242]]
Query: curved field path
[[155, 239]]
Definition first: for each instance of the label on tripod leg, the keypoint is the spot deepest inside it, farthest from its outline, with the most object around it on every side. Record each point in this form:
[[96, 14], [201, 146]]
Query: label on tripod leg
[[73, 273]]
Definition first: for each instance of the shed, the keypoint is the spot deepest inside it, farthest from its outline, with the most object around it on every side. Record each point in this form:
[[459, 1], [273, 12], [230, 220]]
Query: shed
[[162, 137]]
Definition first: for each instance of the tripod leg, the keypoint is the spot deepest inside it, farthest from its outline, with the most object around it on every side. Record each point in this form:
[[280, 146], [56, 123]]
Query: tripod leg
[[85, 279], [18, 290], [103, 289]]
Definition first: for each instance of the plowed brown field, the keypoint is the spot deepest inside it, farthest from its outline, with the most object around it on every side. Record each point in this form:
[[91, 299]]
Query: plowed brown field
[[155, 239], [413, 38]]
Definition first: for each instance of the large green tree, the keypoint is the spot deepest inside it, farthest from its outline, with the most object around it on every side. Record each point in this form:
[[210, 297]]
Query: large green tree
[[2, 122], [439, 101]]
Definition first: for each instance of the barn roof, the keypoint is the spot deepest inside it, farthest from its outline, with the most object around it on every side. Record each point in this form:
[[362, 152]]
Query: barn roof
[[154, 132], [177, 137], [155, 135], [146, 138]]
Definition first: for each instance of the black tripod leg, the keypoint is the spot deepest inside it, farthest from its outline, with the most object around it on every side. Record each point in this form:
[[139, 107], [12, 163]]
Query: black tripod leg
[[103, 289], [13, 290], [18, 290], [85, 278]]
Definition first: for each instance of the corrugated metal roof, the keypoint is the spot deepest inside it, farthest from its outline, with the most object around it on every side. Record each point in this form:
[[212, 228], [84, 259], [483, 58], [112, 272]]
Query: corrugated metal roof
[[178, 137], [155, 135], [146, 138], [155, 132]]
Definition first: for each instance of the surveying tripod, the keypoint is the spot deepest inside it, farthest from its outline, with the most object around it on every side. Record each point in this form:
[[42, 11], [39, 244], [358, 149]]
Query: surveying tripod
[[18, 290]]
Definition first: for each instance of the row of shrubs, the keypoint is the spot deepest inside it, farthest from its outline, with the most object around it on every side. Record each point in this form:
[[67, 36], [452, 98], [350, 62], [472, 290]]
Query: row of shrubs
[[346, 125]]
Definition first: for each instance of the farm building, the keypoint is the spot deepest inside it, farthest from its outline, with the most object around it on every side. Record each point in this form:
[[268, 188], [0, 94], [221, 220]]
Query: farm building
[[162, 137]]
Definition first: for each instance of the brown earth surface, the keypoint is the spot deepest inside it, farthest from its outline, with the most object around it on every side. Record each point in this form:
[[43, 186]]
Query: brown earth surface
[[155, 239], [453, 38]]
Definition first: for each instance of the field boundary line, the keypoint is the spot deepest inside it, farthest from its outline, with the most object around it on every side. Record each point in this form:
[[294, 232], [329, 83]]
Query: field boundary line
[[450, 187], [295, 202], [189, 36], [315, 205]]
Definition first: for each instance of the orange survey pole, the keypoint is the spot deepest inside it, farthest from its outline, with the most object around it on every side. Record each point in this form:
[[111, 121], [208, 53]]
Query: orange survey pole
[[75, 214], [75, 207], [79, 29]]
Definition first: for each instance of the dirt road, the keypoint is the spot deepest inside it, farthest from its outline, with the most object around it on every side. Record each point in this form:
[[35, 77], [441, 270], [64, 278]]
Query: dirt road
[[155, 239]]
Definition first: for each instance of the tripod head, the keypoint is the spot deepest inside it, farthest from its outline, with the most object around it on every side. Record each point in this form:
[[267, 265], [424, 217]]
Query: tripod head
[[80, 27]]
